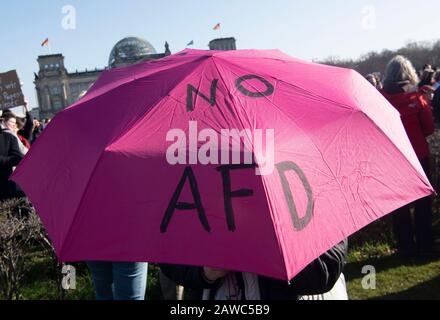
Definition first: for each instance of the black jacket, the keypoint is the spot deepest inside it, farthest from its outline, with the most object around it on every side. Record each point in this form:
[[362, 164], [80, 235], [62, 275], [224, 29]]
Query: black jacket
[[436, 105], [317, 278], [10, 156], [26, 132]]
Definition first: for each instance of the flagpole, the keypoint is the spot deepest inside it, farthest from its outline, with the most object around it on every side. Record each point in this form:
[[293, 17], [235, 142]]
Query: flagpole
[[46, 43]]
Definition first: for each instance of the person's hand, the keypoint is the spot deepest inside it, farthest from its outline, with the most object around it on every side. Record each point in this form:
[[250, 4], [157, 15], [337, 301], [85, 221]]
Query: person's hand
[[213, 274], [26, 102]]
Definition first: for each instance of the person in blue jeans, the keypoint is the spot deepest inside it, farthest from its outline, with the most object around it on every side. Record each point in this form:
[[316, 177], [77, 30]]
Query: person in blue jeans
[[119, 280]]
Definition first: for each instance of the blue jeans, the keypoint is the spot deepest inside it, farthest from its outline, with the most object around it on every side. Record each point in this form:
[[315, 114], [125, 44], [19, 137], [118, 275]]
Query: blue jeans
[[119, 280]]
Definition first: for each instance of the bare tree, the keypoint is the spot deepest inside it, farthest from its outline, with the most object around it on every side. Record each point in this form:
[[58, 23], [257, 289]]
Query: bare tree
[[21, 232], [16, 234], [419, 53]]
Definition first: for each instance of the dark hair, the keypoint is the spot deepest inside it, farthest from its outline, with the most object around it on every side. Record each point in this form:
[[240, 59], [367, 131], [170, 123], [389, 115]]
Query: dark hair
[[6, 112], [427, 78], [372, 79], [8, 115]]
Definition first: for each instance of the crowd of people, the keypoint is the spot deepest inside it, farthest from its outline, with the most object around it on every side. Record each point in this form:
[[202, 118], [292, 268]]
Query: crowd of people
[[17, 135], [415, 95]]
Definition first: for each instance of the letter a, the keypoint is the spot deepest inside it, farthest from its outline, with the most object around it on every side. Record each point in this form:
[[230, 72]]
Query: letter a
[[174, 204]]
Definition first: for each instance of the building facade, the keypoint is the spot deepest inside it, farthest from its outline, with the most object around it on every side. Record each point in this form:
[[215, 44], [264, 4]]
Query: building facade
[[58, 88], [223, 44]]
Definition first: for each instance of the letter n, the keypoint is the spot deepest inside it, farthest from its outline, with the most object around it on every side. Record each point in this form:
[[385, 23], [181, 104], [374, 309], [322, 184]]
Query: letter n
[[190, 95]]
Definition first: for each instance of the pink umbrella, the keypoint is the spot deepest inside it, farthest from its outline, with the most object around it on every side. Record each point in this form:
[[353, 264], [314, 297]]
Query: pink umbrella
[[142, 168]]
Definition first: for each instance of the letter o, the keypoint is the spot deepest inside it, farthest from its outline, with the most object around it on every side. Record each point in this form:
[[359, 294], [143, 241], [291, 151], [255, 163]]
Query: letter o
[[269, 91]]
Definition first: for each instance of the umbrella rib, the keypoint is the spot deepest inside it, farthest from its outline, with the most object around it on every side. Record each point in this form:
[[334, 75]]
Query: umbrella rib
[[124, 131], [222, 54], [395, 146], [131, 126], [317, 96], [66, 238], [280, 240], [124, 81], [307, 92], [230, 95], [311, 140]]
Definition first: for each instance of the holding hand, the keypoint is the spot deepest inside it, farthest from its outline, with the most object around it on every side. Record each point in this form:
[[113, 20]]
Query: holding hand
[[26, 102]]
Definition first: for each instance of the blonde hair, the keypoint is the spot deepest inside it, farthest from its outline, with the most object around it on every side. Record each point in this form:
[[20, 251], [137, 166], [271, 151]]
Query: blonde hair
[[400, 69]]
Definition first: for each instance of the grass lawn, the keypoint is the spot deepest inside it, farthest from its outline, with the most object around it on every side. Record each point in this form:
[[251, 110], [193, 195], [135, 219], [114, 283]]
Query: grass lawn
[[396, 278]]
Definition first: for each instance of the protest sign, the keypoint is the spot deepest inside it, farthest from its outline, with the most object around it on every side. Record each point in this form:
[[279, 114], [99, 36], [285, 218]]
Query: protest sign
[[10, 90]]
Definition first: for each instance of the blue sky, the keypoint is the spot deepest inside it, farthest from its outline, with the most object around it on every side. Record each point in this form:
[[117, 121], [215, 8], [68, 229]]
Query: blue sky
[[308, 30]]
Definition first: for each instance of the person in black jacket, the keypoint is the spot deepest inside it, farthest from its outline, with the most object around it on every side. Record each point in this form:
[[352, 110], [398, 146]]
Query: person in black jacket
[[318, 277], [27, 128], [10, 156], [436, 101]]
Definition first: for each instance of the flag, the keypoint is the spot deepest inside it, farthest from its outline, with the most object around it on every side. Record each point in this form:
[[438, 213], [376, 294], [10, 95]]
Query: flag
[[45, 42], [190, 43], [216, 27]]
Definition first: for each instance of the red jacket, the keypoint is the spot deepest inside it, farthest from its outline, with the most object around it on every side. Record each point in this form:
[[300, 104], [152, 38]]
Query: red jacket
[[24, 141], [417, 118]]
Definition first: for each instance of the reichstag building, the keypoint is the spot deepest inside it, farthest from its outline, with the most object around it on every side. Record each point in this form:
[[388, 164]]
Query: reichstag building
[[58, 88]]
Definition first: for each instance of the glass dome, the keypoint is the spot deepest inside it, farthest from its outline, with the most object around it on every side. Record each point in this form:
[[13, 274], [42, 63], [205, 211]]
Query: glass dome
[[130, 50]]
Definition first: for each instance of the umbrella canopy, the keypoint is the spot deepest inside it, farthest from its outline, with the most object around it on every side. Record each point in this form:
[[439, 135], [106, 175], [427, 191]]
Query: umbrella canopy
[[145, 167]]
